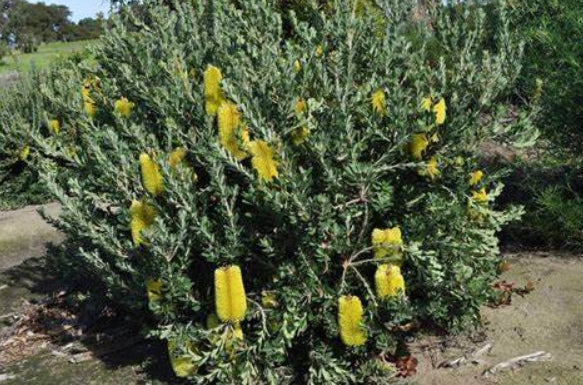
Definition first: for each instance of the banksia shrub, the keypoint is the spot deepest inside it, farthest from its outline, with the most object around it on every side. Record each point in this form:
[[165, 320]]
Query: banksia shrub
[[277, 203]]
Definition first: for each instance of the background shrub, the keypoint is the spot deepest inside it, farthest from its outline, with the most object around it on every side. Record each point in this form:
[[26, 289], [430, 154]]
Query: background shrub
[[552, 31], [341, 146]]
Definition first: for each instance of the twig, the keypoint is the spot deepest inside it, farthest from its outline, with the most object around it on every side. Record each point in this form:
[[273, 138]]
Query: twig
[[366, 285], [518, 361], [469, 357], [263, 316]]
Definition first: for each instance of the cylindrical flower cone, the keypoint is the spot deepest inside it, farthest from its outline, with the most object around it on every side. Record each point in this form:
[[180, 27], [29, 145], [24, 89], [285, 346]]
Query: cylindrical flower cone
[[350, 321], [230, 298], [389, 282], [151, 175]]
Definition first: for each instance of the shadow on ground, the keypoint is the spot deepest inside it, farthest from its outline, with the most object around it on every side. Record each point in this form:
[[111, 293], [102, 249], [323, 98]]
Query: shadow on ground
[[48, 335]]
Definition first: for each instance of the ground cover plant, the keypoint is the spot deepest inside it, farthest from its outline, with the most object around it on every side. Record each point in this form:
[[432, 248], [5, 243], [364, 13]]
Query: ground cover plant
[[283, 204]]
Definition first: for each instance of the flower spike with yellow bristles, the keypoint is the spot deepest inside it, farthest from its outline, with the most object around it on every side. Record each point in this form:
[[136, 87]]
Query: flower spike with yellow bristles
[[388, 281], [350, 312], [151, 176], [230, 299]]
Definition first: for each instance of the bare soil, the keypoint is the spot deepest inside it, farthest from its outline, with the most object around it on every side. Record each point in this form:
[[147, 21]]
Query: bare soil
[[39, 338]]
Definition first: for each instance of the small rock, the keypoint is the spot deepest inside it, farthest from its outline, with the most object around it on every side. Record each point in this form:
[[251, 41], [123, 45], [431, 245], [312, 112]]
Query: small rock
[[6, 377]]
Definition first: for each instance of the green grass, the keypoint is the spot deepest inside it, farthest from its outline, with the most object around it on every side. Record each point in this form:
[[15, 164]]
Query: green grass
[[46, 54]]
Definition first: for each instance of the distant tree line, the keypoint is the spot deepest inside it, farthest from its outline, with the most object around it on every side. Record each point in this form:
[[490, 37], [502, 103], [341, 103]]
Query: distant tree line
[[25, 25]]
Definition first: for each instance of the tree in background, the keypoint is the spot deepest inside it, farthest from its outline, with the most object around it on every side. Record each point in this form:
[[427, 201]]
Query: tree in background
[[26, 25], [553, 69]]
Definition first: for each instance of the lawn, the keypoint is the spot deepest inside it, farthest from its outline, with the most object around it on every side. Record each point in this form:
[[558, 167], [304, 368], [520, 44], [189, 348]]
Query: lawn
[[46, 54]]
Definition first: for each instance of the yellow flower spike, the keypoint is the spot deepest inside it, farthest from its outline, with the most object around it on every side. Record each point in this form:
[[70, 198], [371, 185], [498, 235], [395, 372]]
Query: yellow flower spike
[[212, 90], [229, 120], [142, 216], [182, 365], [297, 66], [481, 196], [262, 160], [388, 281], [300, 107], [177, 157], [152, 179], [230, 299], [387, 242], [440, 112], [55, 126], [476, 177], [124, 107], [24, 153], [378, 102], [154, 289], [418, 145], [350, 321], [88, 103], [426, 104]]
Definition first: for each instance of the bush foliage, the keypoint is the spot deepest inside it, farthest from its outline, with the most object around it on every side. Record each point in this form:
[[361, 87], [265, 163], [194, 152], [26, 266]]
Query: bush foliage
[[552, 31], [281, 207]]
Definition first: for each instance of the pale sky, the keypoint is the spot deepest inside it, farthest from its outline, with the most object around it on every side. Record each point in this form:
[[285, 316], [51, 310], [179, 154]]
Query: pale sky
[[81, 8]]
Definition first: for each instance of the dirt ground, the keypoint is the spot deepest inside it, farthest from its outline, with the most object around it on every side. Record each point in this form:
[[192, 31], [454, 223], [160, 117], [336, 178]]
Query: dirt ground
[[550, 319]]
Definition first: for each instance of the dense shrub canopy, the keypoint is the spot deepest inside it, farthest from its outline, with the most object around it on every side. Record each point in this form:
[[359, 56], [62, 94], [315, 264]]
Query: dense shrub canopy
[[284, 205], [553, 31]]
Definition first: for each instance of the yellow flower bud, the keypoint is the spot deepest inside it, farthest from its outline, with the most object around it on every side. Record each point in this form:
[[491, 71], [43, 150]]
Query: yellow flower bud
[[476, 177], [124, 107], [426, 104], [154, 289], [230, 299], [24, 153], [300, 106], [481, 196], [177, 157], [388, 281], [297, 66], [418, 145], [379, 103], [229, 120], [182, 365], [55, 126], [350, 321], [212, 91], [151, 176], [440, 111]]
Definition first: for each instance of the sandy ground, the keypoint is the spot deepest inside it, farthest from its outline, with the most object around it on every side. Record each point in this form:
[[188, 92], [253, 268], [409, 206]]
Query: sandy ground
[[550, 318], [23, 234]]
